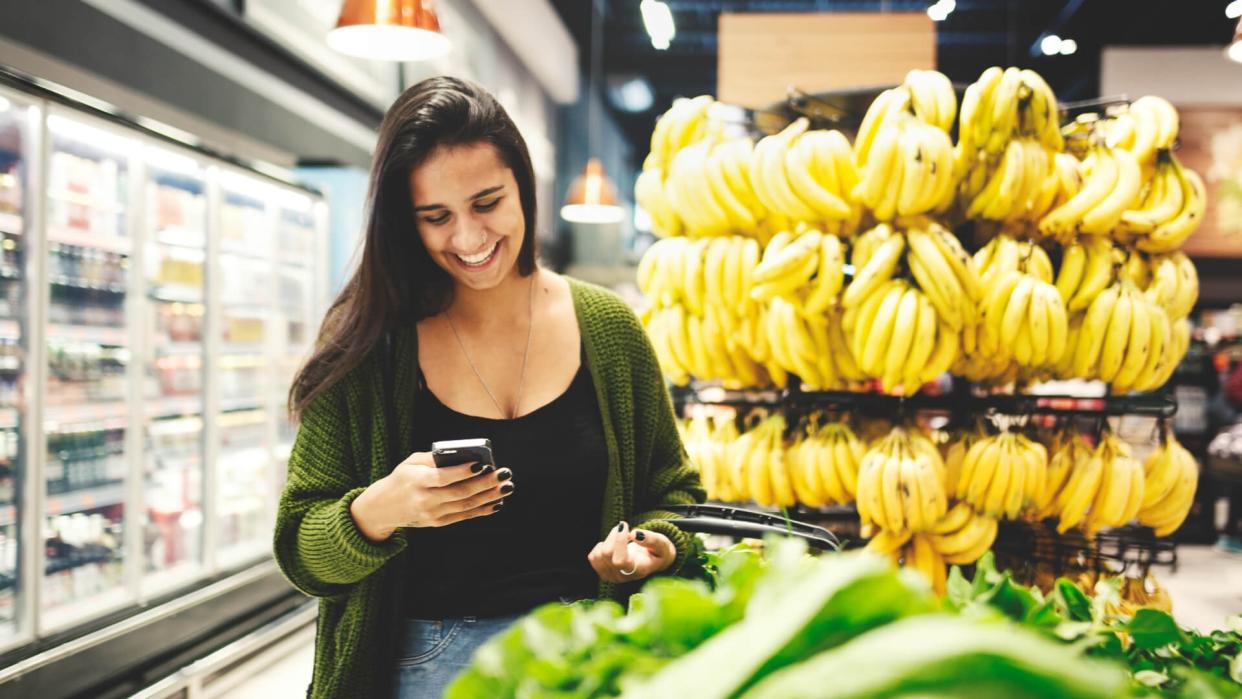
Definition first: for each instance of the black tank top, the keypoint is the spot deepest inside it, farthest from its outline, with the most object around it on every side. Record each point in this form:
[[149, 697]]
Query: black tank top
[[535, 549]]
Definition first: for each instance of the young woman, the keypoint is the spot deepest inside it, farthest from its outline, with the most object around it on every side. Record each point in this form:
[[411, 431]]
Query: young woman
[[449, 329]]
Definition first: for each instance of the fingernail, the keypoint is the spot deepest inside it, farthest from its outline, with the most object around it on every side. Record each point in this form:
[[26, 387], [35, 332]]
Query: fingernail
[[504, 474], [621, 527], [640, 536], [476, 467], [488, 468], [497, 506], [506, 489]]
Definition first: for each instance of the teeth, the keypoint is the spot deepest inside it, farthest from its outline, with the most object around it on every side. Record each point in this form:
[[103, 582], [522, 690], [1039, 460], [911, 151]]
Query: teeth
[[477, 259]]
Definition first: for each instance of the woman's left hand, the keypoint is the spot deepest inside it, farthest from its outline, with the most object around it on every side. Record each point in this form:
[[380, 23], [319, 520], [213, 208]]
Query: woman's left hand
[[626, 556]]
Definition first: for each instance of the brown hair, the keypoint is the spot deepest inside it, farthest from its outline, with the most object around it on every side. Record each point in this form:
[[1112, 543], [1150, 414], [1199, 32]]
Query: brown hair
[[396, 281]]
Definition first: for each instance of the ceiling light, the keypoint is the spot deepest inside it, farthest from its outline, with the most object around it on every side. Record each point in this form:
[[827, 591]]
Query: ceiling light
[[941, 10], [1234, 9], [633, 95], [1068, 46], [1234, 52], [658, 20], [1050, 45], [592, 197], [389, 30]]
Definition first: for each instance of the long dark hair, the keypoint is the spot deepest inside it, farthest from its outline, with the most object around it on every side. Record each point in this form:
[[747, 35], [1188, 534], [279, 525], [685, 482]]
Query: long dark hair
[[397, 282]]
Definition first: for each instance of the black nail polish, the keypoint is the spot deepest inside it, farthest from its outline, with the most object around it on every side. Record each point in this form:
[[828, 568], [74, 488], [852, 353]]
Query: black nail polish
[[488, 468], [506, 488], [504, 474], [621, 527], [497, 506], [476, 467], [640, 536]]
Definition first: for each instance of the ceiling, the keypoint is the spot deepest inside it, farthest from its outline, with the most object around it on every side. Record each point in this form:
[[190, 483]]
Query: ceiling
[[978, 33]]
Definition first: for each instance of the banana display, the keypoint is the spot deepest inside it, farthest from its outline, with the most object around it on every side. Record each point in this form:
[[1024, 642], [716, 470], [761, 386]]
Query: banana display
[[816, 468], [1171, 475], [1003, 475], [901, 483]]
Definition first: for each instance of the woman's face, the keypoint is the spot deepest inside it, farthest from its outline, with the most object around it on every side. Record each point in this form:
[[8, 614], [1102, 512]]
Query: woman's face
[[469, 214]]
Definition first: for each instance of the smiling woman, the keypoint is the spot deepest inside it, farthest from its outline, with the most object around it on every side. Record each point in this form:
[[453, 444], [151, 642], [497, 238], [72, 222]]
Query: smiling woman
[[449, 329]]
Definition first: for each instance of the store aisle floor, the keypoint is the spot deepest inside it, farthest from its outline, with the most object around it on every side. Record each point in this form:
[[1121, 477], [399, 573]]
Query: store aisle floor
[[288, 677], [1207, 587]]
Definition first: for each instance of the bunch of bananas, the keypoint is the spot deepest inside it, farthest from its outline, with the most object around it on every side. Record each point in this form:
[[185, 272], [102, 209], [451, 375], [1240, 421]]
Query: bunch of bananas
[[901, 483], [903, 334], [799, 280], [1125, 340], [963, 535], [1004, 104], [1105, 491], [708, 442], [1112, 180], [1147, 127], [1068, 451], [1169, 280], [1170, 210], [913, 551], [757, 468], [955, 450], [1008, 137], [1025, 317], [685, 123], [823, 464], [1171, 476], [708, 190], [701, 321], [903, 149], [1002, 475], [1005, 253], [1087, 268], [807, 176]]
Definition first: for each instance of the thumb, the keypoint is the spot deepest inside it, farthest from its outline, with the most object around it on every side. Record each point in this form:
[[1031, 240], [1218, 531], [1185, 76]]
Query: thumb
[[649, 541]]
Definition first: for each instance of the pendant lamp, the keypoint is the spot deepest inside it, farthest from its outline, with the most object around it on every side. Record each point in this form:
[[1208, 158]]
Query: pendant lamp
[[1234, 52], [389, 30], [592, 197]]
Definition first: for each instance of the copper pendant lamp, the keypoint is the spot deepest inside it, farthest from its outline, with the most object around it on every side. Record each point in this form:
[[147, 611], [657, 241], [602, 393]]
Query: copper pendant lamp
[[592, 197], [389, 30]]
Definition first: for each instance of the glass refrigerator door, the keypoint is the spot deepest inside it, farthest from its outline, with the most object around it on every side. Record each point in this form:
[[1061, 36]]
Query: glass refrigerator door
[[16, 122], [296, 270], [175, 258], [244, 483], [88, 355]]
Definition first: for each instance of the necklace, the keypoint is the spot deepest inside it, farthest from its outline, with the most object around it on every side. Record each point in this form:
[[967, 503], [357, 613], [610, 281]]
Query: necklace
[[517, 401]]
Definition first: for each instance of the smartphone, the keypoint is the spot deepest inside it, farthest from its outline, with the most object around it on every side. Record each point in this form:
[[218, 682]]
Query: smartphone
[[462, 451]]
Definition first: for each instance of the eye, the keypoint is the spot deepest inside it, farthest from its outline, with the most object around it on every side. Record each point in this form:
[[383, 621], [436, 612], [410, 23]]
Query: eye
[[487, 205], [436, 220]]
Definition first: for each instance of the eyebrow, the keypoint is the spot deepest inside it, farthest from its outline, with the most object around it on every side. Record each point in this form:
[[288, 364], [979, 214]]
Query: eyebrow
[[476, 195]]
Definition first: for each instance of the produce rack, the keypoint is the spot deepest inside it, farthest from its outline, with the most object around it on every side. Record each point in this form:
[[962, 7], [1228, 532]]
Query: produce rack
[[1157, 405], [1029, 546]]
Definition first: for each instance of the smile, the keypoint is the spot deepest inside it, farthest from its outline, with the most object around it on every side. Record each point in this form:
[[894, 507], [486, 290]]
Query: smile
[[480, 259]]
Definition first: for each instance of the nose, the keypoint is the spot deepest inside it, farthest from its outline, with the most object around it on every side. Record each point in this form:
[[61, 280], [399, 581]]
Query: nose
[[469, 234]]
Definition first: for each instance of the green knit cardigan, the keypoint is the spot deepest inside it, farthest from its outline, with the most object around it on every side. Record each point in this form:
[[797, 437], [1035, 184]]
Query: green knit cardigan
[[343, 445]]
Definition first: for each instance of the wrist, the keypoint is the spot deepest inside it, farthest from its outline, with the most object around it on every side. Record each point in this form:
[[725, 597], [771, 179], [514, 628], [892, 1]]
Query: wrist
[[364, 511]]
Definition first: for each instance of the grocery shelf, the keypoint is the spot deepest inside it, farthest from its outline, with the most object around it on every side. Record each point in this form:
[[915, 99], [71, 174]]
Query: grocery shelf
[[98, 334], [8, 515], [10, 329], [175, 406], [76, 283], [88, 499], [86, 200], [67, 615], [89, 239], [172, 294], [110, 413], [12, 224]]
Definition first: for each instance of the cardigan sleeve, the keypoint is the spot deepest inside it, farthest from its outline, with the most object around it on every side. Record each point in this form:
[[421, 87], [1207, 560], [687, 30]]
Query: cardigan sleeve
[[318, 546], [670, 477]]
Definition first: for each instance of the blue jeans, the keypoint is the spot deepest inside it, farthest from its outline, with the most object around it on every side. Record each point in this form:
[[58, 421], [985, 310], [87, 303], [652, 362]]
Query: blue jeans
[[433, 652]]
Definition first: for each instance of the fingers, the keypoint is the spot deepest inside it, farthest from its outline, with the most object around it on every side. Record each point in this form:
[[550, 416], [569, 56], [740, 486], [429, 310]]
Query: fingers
[[620, 539], [450, 475], [484, 510], [492, 494], [479, 484]]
